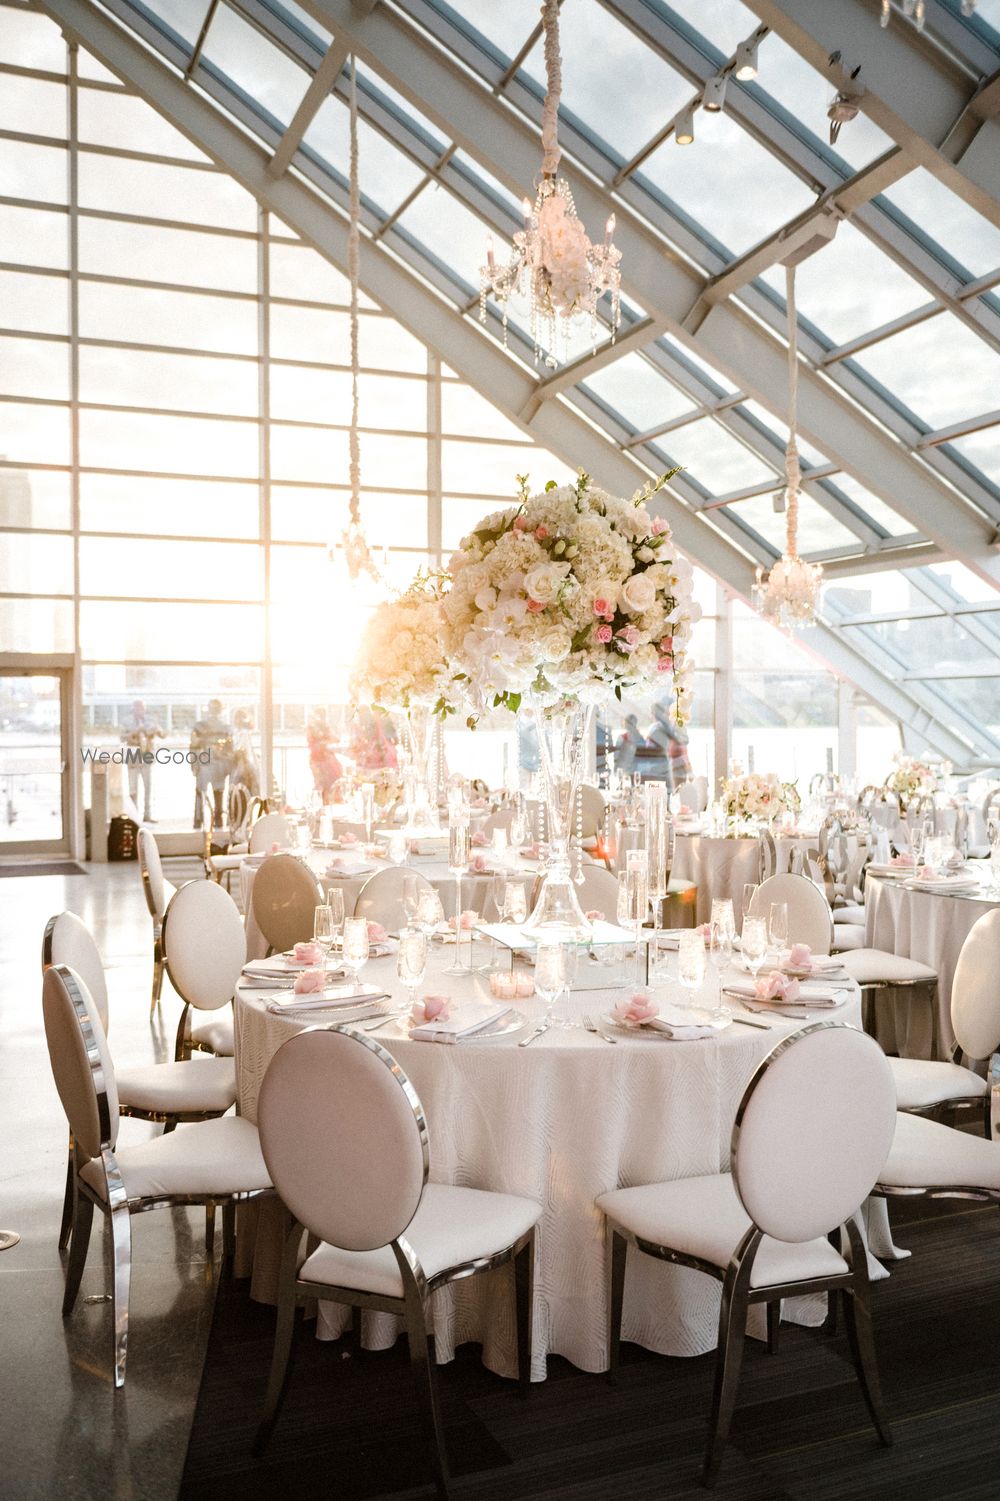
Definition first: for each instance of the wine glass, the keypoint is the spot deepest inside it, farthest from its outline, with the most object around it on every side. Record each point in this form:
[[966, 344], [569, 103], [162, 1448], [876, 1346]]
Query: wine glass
[[636, 899], [458, 864], [515, 903], [430, 913], [323, 931], [550, 974], [412, 888], [356, 948], [499, 891], [398, 847], [691, 961], [411, 960], [722, 930], [777, 926], [753, 943], [749, 889], [335, 902]]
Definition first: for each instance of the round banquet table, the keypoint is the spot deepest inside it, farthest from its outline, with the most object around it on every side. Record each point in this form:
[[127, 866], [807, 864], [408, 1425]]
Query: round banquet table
[[721, 867], [434, 868], [929, 926], [560, 1121]]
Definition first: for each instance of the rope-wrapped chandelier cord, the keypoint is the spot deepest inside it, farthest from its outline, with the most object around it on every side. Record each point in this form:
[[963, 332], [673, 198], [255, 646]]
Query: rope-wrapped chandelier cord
[[553, 77], [353, 268], [793, 472]]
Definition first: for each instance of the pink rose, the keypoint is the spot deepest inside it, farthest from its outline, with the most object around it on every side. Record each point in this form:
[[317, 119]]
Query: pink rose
[[664, 664], [927, 873], [636, 1010], [349, 838], [376, 933], [667, 643], [775, 987], [308, 981], [800, 956], [659, 526], [603, 634], [275, 848], [901, 860], [629, 636], [413, 847], [480, 838], [480, 864], [541, 532], [603, 607], [535, 607], [469, 916], [432, 1008], [594, 915], [520, 523], [307, 953]]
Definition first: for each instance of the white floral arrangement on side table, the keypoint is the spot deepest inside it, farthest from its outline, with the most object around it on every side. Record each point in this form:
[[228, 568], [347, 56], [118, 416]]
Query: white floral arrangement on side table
[[401, 662], [754, 796], [573, 593]]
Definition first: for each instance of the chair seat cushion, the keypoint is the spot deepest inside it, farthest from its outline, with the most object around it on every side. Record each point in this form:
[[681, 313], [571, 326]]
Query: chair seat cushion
[[215, 1031], [203, 1084], [852, 913], [921, 1082], [226, 862], [703, 1217], [222, 1156], [925, 1154], [847, 936], [875, 967], [452, 1226]]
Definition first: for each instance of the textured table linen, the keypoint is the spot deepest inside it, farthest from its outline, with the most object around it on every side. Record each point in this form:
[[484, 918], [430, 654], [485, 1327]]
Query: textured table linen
[[560, 1121], [928, 926], [721, 867]]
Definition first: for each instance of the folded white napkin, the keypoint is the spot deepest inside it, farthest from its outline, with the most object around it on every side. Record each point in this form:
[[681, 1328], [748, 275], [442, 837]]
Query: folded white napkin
[[944, 883], [686, 1025], [817, 995], [467, 1018], [278, 966], [333, 997], [348, 867]]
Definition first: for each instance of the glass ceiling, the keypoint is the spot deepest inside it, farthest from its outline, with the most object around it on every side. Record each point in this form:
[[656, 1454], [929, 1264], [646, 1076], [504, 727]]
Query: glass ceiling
[[899, 313]]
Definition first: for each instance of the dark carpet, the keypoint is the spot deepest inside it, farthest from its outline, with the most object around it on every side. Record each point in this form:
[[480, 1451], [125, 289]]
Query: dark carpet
[[350, 1427], [43, 868]]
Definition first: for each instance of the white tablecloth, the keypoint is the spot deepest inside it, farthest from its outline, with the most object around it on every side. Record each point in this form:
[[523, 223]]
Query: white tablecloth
[[721, 867], [930, 927], [561, 1121]]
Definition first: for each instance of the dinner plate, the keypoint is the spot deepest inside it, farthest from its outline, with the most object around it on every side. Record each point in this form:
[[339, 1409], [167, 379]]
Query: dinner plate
[[710, 1027], [511, 1026]]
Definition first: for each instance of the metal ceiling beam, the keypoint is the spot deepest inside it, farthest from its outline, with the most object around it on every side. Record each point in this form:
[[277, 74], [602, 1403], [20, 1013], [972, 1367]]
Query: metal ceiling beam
[[480, 361], [911, 91], [322, 83], [960, 429], [664, 286], [638, 336]]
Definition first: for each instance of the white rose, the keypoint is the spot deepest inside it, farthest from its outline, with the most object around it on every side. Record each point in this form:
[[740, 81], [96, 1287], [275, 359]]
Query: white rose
[[555, 644], [486, 598], [542, 583], [637, 594]]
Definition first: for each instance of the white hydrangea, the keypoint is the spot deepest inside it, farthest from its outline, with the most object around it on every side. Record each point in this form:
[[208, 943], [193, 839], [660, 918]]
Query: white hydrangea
[[401, 662]]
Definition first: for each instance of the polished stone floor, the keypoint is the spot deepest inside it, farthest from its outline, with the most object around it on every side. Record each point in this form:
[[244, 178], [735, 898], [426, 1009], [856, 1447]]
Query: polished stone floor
[[64, 1431]]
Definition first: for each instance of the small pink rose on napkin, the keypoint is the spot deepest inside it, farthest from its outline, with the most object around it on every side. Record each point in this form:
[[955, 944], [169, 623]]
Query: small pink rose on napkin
[[469, 916], [413, 847], [480, 864], [927, 873], [594, 915], [532, 851], [636, 1009], [376, 851], [776, 987], [480, 838], [307, 953], [349, 838], [275, 848], [901, 860], [308, 981], [433, 1008], [800, 956], [376, 933], [335, 866]]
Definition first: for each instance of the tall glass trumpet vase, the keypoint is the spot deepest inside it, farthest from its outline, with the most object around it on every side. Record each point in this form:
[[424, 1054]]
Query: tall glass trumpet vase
[[419, 811], [659, 844], [564, 732]]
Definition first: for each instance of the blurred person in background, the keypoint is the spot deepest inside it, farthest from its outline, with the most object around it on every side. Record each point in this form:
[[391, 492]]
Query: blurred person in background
[[142, 735]]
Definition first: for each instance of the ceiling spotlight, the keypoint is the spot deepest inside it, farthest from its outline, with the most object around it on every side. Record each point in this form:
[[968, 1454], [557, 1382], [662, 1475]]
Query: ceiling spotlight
[[684, 126], [715, 94], [745, 62]]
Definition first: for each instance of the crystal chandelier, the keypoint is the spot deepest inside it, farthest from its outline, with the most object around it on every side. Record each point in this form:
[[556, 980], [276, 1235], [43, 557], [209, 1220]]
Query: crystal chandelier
[[552, 260], [788, 595], [353, 542]]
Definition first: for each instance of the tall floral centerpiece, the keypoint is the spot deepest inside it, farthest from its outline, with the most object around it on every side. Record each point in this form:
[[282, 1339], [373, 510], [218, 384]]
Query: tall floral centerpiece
[[911, 779], [558, 602], [753, 798], [402, 667]]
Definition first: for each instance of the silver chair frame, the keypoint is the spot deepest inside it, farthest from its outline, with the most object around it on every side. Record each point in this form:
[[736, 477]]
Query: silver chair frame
[[414, 1307], [738, 1296], [169, 1119], [871, 988], [159, 961], [118, 1207], [963, 1102], [184, 1044]]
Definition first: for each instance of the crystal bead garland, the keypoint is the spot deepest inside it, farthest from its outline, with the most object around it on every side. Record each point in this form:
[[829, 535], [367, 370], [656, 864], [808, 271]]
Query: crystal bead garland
[[563, 272], [788, 594]]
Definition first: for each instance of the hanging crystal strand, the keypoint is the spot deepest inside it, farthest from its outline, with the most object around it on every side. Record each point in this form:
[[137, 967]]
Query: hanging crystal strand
[[793, 470]]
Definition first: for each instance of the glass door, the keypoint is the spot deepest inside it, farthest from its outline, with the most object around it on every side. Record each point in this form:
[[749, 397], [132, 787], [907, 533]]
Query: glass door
[[33, 765]]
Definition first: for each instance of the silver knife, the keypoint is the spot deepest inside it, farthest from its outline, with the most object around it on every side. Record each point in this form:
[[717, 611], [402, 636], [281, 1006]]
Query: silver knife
[[532, 1035]]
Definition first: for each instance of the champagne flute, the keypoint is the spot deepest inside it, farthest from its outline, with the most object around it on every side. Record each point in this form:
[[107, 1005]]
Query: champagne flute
[[356, 949], [411, 897], [458, 864], [550, 975], [323, 933], [691, 962], [411, 960], [749, 891], [499, 891], [335, 902], [724, 920], [398, 847], [777, 926], [637, 899], [753, 943]]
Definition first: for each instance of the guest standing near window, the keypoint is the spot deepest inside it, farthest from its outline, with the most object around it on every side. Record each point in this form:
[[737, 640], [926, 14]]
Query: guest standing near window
[[214, 735], [142, 736]]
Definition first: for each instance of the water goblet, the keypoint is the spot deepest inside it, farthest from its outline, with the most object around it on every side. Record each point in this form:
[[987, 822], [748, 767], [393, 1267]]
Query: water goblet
[[515, 903], [411, 960], [550, 974], [459, 847], [691, 962], [724, 921], [753, 943], [777, 926], [430, 913], [356, 948], [323, 930], [335, 902], [749, 888], [398, 847]]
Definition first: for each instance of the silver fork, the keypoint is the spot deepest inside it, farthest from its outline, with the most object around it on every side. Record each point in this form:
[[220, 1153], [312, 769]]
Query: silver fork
[[380, 1021], [591, 1026]]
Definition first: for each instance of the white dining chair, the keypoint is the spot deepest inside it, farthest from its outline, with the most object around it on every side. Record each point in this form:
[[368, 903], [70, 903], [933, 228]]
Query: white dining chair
[[157, 891], [932, 1087], [892, 976], [167, 1093], [270, 828], [932, 1161], [591, 810], [345, 1140], [809, 918], [284, 897], [206, 948], [213, 1162], [382, 897], [598, 891], [811, 1134]]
